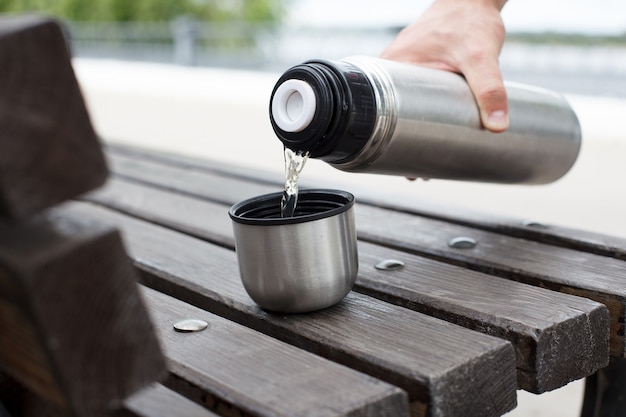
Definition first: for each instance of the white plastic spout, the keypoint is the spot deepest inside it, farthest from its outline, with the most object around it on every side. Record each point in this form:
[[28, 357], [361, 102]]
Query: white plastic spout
[[293, 105]]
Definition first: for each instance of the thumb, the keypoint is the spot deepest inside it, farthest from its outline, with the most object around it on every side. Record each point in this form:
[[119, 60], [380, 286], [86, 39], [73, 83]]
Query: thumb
[[487, 85]]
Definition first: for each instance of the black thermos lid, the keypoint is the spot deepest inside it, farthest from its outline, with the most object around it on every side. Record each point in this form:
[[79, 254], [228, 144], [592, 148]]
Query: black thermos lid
[[327, 108]]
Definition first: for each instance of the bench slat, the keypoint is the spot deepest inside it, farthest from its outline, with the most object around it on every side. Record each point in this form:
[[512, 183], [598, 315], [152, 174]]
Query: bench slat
[[558, 337], [231, 366], [565, 270], [582, 240], [71, 320], [49, 151], [561, 269], [160, 401], [437, 363]]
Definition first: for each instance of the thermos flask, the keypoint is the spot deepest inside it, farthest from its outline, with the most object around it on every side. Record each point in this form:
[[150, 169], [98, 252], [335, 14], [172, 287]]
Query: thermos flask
[[363, 114]]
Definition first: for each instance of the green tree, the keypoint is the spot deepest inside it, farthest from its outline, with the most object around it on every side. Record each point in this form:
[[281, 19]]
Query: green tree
[[151, 10]]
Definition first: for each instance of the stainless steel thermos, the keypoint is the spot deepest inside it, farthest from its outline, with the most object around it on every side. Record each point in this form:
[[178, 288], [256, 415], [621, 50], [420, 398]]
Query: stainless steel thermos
[[364, 114]]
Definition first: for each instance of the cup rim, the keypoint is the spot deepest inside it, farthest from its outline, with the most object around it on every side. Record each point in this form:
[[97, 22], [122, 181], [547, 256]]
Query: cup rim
[[313, 204]]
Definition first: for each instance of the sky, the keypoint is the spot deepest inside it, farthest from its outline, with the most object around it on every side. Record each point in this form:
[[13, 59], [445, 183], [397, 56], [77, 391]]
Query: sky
[[572, 16]]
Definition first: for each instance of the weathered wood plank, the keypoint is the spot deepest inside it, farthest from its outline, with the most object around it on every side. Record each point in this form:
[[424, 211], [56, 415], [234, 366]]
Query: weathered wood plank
[[225, 188], [568, 271], [231, 366], [558, 338], [529, 229], [582, 240], [561, 269], [437, 363], [155, 400], [49, 151], [72, 322], [160, 401]]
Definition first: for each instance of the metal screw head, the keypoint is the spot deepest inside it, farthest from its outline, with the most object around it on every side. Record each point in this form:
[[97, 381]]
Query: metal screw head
[[462, 242], [190, 325], [389, 265], [537, 225]]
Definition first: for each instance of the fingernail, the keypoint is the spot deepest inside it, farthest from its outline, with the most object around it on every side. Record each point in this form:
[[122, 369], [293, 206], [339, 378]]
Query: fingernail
[[497, 121]]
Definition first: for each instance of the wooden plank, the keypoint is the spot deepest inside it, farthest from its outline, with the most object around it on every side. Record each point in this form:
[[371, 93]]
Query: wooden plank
[[529, 229], [229, 366], [560, 269], [558, 338], [49, 151], [582, 240], [225, 188], [71, 319], [565, 270], [155, 400], [439, 364], [160, 401]]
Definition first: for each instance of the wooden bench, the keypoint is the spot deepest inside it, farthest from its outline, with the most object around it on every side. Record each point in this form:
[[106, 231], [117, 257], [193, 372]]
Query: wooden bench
[[74, 331], [457, 330]]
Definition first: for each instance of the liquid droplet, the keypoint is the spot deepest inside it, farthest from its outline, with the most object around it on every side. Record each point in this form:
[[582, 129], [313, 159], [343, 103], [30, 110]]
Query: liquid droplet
[[294, 163]]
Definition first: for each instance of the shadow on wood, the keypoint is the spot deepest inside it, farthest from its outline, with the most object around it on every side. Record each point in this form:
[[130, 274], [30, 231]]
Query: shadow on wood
[[73, 327]]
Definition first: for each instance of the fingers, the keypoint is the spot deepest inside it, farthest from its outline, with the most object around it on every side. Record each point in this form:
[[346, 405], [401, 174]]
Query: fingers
[[464, 37], [485, 81]]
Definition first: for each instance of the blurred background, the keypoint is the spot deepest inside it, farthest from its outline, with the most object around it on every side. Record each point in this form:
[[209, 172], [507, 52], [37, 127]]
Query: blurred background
[[194, 77], [574, 46]]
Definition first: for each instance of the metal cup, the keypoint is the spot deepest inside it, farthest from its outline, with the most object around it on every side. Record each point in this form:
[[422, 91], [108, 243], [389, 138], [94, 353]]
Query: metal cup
[[297, 264]]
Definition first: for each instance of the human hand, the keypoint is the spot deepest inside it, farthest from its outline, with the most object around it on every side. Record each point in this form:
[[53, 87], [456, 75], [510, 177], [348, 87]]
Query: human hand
[[463, 36]]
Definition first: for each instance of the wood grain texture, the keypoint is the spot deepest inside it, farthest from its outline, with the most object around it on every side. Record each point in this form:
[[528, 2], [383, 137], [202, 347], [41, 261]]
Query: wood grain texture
[[558, 338], [72, 322], [225, 188], [237, 368], [437, 363], [160, 401], [582, 240], [529, 229], [564, 270], [561, 269], [49, 151]]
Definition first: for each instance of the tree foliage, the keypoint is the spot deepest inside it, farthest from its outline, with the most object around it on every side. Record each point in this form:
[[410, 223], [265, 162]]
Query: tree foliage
[[151, 10]]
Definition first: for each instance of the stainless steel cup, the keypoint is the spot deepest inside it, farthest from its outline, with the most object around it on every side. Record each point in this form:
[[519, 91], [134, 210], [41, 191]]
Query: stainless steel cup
[[298, 264]]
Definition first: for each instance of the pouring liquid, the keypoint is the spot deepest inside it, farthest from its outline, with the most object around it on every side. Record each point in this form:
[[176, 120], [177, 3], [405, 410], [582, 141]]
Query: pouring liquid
[[294, 163]]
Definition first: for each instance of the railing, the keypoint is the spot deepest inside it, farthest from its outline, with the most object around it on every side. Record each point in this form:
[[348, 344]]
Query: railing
[[237, 44], [584, 69]]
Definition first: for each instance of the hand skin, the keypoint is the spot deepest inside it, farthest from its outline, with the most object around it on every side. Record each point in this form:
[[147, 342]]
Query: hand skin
[[463, 36]]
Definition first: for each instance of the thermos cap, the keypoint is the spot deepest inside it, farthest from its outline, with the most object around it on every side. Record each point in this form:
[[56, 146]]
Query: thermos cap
[[326, 108], [293, 105]]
